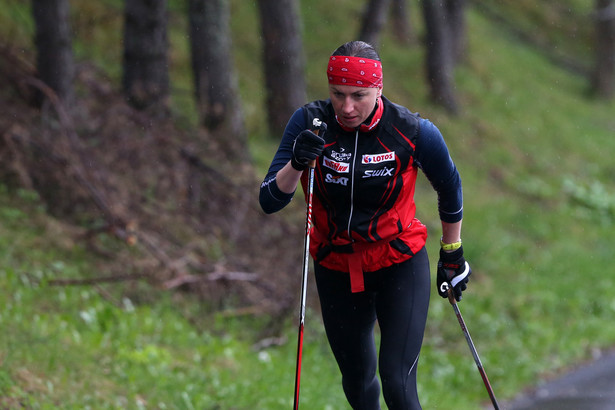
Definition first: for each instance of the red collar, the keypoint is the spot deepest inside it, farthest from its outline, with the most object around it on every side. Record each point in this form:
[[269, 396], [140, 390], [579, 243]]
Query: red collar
[[372, 124]]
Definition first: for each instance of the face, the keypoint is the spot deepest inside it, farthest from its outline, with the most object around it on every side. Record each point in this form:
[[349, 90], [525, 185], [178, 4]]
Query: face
[[353, 105]]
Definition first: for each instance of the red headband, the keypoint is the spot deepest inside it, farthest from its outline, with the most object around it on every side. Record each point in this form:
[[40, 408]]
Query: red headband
[[355, 71]]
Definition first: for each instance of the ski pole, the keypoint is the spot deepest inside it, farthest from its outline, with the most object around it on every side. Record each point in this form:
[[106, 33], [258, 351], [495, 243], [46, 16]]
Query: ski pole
[[318, 125], [451, 298]]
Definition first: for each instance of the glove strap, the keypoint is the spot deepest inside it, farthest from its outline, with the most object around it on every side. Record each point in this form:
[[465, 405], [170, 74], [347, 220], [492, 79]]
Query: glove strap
[[450, 246], [461, 276]]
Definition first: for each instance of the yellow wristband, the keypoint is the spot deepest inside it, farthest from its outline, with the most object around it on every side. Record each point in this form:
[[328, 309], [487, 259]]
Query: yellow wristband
[[450, 246]]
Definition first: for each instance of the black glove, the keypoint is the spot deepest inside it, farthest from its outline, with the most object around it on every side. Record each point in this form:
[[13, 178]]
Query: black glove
[[454, 270], [307, 147]]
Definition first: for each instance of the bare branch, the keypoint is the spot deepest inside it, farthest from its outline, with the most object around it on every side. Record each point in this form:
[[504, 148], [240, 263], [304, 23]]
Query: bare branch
[[217, 275], [97, 280]]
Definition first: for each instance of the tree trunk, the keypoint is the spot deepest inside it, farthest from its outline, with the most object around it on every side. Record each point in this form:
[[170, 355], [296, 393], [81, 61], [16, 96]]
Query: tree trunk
[[374, 19], [604, 73], [283, 60], [400, 22], [215, 83], [455, 16], [439, 54], [55, 61], [146, 76]]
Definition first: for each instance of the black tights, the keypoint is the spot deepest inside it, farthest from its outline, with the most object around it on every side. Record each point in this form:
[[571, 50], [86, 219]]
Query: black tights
[[398, 297]]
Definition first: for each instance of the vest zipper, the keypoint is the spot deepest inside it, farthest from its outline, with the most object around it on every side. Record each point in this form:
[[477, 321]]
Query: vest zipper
[[354, 162]]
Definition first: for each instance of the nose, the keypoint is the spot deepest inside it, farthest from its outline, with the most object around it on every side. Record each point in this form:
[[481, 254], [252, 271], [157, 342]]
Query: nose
[[347, 106]]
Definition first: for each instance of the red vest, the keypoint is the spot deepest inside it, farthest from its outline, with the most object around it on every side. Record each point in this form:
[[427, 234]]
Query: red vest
[[363, 216]]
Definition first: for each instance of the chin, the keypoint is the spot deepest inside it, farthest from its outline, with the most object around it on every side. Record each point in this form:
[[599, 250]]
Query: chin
[[352, 124]]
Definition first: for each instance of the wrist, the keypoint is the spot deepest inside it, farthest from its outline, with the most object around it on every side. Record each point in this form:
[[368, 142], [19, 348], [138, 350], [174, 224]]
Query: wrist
[[450, 247], [297, 165]]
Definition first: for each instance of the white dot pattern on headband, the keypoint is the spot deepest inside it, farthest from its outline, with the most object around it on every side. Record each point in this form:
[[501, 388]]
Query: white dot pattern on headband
[[351, 74]]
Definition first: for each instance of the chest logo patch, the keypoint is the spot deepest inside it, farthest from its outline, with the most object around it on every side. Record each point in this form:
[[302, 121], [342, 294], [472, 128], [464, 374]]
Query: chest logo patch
[[378, 158], [342, 155], [337, 166], [383, 172], [336, 180]]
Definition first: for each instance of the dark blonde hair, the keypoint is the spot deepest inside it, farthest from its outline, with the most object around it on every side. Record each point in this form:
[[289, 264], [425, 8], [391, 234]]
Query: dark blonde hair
[[357, 48]]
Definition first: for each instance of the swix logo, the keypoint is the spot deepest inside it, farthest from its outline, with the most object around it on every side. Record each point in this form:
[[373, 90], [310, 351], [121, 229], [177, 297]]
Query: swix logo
[[378, 158], [341, 167], [382, 172], [336, 180]]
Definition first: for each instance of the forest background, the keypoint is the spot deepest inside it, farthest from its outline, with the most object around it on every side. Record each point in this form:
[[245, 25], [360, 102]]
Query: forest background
[[138, 271]]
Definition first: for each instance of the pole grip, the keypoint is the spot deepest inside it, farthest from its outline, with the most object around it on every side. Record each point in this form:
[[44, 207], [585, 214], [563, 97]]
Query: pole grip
[[312, 163], [445, 287], [451, 296]]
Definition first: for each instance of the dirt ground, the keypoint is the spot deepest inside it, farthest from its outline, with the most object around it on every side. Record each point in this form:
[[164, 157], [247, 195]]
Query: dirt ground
[[180, 215]]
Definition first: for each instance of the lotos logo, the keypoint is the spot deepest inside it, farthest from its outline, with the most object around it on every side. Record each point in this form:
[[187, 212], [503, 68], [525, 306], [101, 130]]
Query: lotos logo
[[378, 158], [341, 167]]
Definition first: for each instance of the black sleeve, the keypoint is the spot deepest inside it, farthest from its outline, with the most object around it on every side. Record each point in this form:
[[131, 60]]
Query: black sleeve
[[271, 198], [433, 158]]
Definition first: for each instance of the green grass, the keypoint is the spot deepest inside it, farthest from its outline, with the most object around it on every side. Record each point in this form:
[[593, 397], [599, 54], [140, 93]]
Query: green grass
[[536, 160]]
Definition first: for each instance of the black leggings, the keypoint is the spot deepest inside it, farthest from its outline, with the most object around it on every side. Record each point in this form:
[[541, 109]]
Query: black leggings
[[398, 297]]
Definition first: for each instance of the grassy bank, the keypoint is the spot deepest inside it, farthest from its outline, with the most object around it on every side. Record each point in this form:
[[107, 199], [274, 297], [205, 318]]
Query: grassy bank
[[536, 160]]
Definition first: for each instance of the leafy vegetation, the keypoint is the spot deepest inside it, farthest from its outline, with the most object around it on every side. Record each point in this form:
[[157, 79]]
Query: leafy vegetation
[[535, 157]]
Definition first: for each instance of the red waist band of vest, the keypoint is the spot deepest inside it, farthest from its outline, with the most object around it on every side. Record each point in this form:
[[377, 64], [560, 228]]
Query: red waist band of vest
[[355, 251]]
